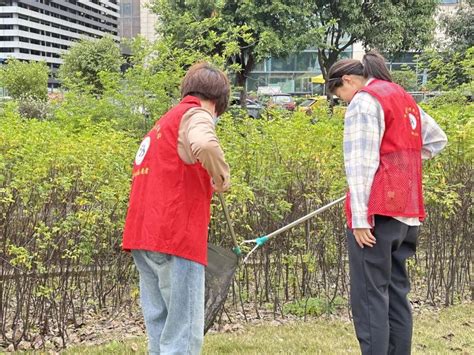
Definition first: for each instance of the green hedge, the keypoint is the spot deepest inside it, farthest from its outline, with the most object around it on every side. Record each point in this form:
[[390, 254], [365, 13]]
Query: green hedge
[[63, 196], [64, 190], [285, 168], [75, 183]]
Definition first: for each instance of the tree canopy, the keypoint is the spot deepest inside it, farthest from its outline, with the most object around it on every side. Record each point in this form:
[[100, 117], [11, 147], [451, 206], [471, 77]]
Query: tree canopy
[[450, 64], [459, 28], [243, 32], [388, 26], [25, 79], [86, 59]]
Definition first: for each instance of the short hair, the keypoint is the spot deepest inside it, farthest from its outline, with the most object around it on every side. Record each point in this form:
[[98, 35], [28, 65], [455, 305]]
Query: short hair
[[207, 82]]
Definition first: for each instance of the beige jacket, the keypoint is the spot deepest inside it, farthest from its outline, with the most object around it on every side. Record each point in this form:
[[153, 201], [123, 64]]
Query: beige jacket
[[197, 141]]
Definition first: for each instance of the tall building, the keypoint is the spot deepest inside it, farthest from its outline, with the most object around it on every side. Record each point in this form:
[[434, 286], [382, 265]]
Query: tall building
[[43, 29], [137, 19]]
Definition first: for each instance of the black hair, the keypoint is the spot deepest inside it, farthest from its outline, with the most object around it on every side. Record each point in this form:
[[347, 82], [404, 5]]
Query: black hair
[[372, 66]]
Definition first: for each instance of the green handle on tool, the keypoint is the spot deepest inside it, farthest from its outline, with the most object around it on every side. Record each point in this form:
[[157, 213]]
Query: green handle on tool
[[237, 250], [261, 241]]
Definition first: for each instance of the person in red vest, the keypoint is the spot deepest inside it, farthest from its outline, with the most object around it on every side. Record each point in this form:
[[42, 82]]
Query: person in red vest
[[176, 169], [386, 136]]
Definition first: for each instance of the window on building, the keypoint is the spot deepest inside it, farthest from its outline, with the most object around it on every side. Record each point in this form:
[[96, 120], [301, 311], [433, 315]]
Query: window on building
[[283, 64], [126, 8], [307, 62]]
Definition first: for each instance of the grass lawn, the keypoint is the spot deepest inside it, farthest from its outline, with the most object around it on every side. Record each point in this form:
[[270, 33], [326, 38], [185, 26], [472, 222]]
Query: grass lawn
[[450, 330]]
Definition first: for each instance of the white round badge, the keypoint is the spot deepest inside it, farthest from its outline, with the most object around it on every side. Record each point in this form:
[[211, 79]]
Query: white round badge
[[412, 120], [142, 151]]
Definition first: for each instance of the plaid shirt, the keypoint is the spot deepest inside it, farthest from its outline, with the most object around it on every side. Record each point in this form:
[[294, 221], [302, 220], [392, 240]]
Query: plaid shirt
[[364, 127]]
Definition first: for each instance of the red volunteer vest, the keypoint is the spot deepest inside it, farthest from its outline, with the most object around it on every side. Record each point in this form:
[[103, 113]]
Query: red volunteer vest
[[396, 190], [169, 209]]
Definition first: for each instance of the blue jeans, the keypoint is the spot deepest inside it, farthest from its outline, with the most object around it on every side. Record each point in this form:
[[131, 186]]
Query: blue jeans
[[172, 301]]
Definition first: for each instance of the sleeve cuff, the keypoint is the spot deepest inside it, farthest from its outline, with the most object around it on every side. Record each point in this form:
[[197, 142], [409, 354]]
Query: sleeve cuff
[[360, 221]]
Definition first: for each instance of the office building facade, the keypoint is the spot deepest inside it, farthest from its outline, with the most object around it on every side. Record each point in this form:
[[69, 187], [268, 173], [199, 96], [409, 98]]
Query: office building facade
[[136, 19], [42, 30]]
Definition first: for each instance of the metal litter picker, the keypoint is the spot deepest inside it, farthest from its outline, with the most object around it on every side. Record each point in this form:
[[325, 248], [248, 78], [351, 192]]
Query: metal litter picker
[[263, 239], [222, 263]]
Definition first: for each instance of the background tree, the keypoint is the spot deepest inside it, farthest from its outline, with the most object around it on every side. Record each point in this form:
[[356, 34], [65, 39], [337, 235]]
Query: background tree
[[389, 26], [405, 78], [243, 32], [459, 28], [156, 69], [86, 59], [446, 65], [25, 79]]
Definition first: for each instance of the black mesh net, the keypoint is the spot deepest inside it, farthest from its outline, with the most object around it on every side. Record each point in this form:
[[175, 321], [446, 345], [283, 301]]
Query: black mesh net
[[220, 270]]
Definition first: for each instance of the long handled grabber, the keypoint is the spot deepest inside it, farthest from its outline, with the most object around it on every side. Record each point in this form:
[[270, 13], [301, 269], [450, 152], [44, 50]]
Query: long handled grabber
[[222, 263], [263, 239], [236, 248]]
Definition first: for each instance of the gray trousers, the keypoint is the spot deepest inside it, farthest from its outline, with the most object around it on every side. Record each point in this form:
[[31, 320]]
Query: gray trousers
[[379, 287]]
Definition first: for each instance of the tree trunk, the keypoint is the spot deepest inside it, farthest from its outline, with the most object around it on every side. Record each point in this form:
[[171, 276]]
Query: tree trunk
[[325, 63], [241, 78], [241, 82]]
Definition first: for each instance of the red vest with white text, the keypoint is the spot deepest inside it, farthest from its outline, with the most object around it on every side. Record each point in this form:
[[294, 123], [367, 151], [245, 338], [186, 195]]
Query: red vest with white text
[[169, 209], [396, 189]]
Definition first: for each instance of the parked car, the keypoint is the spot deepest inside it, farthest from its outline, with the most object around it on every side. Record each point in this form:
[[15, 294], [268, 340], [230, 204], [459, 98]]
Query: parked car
[[284, 101], [254, 109], [311, 103]]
